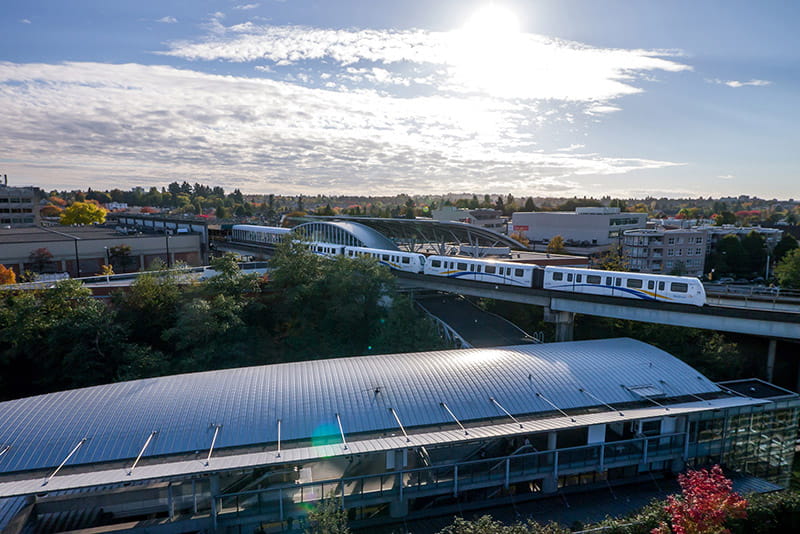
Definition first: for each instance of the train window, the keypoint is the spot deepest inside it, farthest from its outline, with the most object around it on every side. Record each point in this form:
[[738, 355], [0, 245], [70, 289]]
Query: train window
[[462, 266], [661, 286], [569, 277], [578, 278], [385, 257], [593, 279], [618, 282], [406, 259], [490, 269], [608, 280], [651, 284], [436, 263], [558, 276], [478, 268], [634, 283], [518, 272], [679, 287]]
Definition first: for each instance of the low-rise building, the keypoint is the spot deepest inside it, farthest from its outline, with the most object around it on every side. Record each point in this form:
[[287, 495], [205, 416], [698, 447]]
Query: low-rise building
[[715, 233], [81, 251], [19, 206], [584, 226], [664, 251], [387, 436]]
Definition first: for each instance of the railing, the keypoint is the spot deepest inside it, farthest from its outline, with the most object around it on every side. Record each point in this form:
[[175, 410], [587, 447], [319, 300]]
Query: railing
[[277, 502]]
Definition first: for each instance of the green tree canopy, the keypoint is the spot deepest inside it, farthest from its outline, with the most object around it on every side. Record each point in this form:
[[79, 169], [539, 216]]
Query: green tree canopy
[[83, 213], [785, 245], [788, 270]]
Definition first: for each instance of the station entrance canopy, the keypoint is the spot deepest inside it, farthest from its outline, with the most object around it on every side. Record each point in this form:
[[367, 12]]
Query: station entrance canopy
[[427, 235]]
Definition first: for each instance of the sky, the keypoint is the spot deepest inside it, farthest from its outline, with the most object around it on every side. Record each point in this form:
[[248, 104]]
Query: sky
[[627, 98]]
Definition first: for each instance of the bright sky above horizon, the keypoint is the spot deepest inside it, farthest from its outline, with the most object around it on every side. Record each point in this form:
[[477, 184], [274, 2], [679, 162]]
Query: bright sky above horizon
[[530, 97]]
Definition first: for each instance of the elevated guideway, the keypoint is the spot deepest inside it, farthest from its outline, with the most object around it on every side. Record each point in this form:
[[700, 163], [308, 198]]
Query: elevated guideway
[[560, 307]]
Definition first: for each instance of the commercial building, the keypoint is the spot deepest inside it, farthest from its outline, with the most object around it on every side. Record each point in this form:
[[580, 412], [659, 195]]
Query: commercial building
[[664, 251], [715, 233], [483, 217], [389, 436], [82, 250], [584, 227], [19, 206]]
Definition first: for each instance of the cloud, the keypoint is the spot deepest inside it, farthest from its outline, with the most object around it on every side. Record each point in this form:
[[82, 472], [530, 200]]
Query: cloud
[[113, 125], [524, 66], [167, 20], [726, 177], [736, 83], [25, 21], [245, 7]]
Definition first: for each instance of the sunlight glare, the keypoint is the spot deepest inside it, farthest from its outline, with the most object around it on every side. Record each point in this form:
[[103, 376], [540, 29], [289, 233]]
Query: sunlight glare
[[485, 52]]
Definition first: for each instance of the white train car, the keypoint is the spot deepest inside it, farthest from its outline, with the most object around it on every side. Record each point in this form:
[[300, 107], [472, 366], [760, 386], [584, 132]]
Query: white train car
[[326, 249], [496, 272], [652, 287], [411, 262], [263, 235]]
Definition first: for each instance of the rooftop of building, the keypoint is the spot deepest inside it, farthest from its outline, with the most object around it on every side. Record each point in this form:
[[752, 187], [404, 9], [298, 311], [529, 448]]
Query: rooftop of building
[[37, 234]]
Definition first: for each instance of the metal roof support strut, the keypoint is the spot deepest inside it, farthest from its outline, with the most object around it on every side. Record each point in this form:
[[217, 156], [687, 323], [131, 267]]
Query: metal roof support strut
[[645, 397], [73, 451], [141, 452], [396, 418], [278, 455], [562, 412], [583, 390], [341, 431], [443, 405], [213, 442], [505, 411]]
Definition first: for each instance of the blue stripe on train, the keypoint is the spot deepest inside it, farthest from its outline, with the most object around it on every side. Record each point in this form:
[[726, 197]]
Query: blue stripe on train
[[641, 295], [503, 279]]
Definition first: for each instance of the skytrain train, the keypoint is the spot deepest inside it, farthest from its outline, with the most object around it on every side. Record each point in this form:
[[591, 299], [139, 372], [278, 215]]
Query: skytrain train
[[641, 286]]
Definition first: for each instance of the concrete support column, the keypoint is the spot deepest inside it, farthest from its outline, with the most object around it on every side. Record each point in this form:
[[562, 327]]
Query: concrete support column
[[141, 262], [773, 344], [564, 321], [550, 482]]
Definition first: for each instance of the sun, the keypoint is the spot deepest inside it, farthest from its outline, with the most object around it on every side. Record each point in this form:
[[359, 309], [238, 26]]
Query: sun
[[485, 51], [492, 21]]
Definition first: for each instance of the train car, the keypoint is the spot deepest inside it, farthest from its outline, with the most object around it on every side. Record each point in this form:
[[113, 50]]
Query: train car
[[263, 235], [411, 262], [326, 249], [497, 272], [652, 287]]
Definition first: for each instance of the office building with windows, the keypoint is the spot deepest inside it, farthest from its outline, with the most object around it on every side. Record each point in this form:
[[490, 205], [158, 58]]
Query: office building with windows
[[662, 251]]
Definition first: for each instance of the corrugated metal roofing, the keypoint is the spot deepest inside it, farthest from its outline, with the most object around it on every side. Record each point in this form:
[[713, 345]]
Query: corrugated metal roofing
[[187, 465], [117, 418]]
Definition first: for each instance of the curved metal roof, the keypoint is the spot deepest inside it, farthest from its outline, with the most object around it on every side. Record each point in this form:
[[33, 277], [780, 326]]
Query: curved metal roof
[[345, 233], [419, 232], [116, 419]]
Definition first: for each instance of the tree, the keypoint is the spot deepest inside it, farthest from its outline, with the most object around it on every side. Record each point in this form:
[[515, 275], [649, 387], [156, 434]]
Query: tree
[[487, 525], [529, 205], [556, 245], [785, 245], [328, 517], [7, 276], [519, 236], [788, 270], [120, 257], [83, 213], [707, 501], [679, 269], [40, 259], [729, 257], [754, 246], [612, 260]]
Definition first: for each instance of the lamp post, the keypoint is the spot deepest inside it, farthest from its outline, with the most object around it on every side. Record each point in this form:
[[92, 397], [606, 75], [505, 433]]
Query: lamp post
[[77, 260], [108, 258], [166, 240]]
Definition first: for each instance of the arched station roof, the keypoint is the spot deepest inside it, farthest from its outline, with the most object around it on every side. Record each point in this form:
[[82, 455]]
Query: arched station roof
[[245, 404], [414, 233], [344, 233]]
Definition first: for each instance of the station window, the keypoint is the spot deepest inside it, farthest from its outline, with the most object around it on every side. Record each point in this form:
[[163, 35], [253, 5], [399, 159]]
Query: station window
[[679, 287]]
